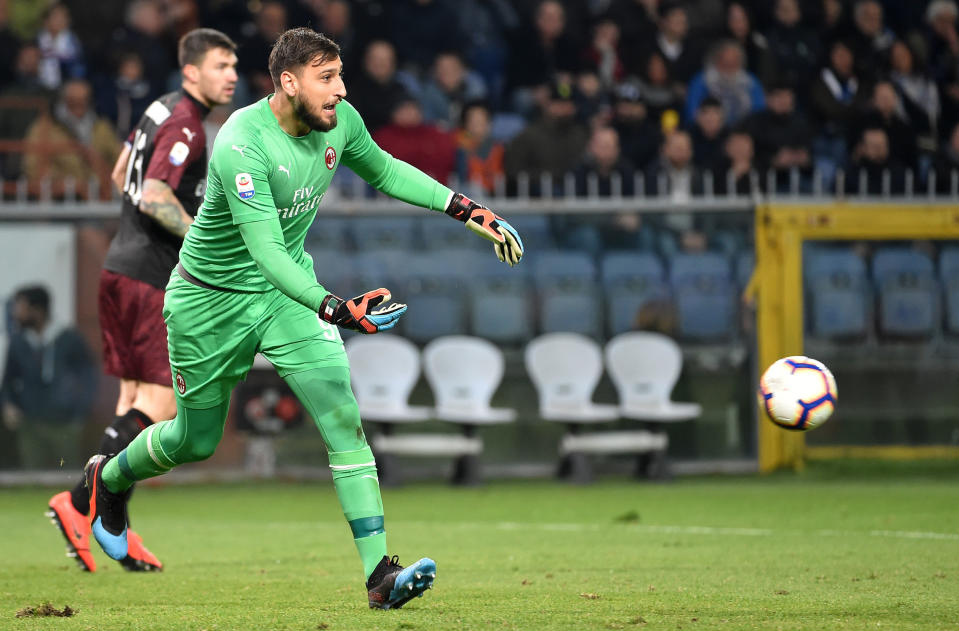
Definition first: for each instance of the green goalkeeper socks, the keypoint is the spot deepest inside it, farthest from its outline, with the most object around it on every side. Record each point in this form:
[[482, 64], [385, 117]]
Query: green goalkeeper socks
[[357, 487]]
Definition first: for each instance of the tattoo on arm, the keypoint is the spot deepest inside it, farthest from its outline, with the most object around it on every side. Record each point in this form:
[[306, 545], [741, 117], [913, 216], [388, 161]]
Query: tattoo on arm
[[159, 202]]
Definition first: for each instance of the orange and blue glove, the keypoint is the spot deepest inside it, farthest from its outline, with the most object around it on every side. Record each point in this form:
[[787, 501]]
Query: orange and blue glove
[[359, 314], [507, 243]]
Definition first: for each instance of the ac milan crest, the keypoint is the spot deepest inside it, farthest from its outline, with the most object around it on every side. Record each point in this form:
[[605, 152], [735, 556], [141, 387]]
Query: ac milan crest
[[330, 158], [180, 383]]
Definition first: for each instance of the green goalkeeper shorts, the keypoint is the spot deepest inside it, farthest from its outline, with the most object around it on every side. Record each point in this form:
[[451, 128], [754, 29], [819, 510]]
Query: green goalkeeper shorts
[[214, 335]]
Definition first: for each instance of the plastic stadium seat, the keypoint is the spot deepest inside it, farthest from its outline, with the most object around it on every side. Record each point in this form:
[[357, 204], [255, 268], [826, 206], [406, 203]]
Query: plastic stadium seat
[[630, 280], [644, 367], [334, 271], [949, 276], [327, 234], [565, 369], [908, 293], [384, 232], [500, 301], [534, 230], [436, 294], [569, 299], [463, 373], [705, 297], [384, 368], [441, 232], [837, 292]]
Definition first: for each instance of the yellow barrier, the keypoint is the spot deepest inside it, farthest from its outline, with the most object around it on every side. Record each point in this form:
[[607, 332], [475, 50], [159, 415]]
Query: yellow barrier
[[780, 232]]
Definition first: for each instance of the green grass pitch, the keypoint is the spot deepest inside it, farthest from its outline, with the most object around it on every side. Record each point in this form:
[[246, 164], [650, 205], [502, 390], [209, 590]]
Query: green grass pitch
[[826, 549]]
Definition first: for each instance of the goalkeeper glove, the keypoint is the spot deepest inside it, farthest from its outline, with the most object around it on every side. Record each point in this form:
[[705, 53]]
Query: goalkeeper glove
[[359, 314], [484, 222]]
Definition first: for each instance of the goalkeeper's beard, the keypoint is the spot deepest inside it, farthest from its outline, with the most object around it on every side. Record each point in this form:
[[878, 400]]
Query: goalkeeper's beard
[[309, 118]]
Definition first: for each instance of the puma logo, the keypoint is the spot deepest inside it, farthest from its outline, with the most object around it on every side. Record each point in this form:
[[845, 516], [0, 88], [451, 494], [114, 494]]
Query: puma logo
[[190, 135], [284, 170], [240, 149]]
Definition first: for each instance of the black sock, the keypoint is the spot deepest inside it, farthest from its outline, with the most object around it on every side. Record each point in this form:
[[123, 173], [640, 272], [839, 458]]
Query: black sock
[[116, 437]]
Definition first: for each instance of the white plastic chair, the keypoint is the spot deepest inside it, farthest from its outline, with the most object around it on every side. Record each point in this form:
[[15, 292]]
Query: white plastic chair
[[464, 372], [644, 367], [565, 368], [384, 368]]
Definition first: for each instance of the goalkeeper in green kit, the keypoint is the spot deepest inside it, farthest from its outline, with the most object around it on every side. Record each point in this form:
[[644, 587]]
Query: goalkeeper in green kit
[[245, 285]]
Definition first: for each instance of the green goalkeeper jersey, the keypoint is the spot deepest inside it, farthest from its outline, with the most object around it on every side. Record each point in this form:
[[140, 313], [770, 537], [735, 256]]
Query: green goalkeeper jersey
[[258, 172]]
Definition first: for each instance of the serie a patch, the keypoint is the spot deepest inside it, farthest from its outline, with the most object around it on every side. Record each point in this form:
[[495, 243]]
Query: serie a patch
[[244, 186], [179, 153]]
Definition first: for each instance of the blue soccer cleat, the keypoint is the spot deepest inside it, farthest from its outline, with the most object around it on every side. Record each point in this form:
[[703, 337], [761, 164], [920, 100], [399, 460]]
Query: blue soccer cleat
[[391, 586], [108, 511]]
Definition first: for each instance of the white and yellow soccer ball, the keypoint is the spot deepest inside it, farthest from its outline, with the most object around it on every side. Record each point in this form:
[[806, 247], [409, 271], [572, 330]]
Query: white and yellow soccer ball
[[798, 393]]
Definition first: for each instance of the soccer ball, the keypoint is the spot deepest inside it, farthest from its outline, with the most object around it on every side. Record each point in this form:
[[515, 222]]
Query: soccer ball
[[798, 393]]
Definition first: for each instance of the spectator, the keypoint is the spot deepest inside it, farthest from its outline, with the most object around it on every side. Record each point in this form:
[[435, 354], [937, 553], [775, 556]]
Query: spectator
[[946, 166], [886, 113], [638, 20], [486, 27], [144, 33], [336, 22], [9, 46], [874, 170], [941, 16], [546, 49], [795, 50], [755, 45], [603, 166], [449, 88], [124, 97], [552, 144], [602, 172], [708, 133], [375, 91], [61, 51], [479, 159], [410, 20], [676, 177], [683, 58], [782, 136], [735, 171], [871, 39], [943, 57], [724, 77], [603, 55], [639, 133], [675, 174], [592, 101], [836, 98], [425, 146], [254, 51], [48, 386], [833, 22], [660, 92], [74, 122], [918, 94]]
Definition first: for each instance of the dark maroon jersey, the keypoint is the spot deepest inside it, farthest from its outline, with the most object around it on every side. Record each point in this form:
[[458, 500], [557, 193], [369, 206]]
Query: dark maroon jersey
[[168, 144]]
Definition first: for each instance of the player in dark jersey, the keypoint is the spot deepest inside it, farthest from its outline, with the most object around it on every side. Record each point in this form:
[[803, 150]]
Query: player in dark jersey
[[162, 175]]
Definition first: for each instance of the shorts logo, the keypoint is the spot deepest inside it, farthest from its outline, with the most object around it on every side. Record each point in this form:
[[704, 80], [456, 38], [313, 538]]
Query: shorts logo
[[180, 383], [244, 185], [330, 158], [178, 153]]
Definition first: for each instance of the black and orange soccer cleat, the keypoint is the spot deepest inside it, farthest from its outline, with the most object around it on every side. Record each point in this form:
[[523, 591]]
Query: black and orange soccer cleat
[[138, 558], [391, 586], [75, 528]]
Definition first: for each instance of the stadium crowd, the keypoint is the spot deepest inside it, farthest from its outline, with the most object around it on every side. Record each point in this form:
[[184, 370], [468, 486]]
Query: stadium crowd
[[674, 97]]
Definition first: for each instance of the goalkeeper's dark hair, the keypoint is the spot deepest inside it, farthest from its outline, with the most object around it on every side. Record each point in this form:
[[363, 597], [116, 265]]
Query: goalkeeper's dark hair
[[298, 47], [197, 43]]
